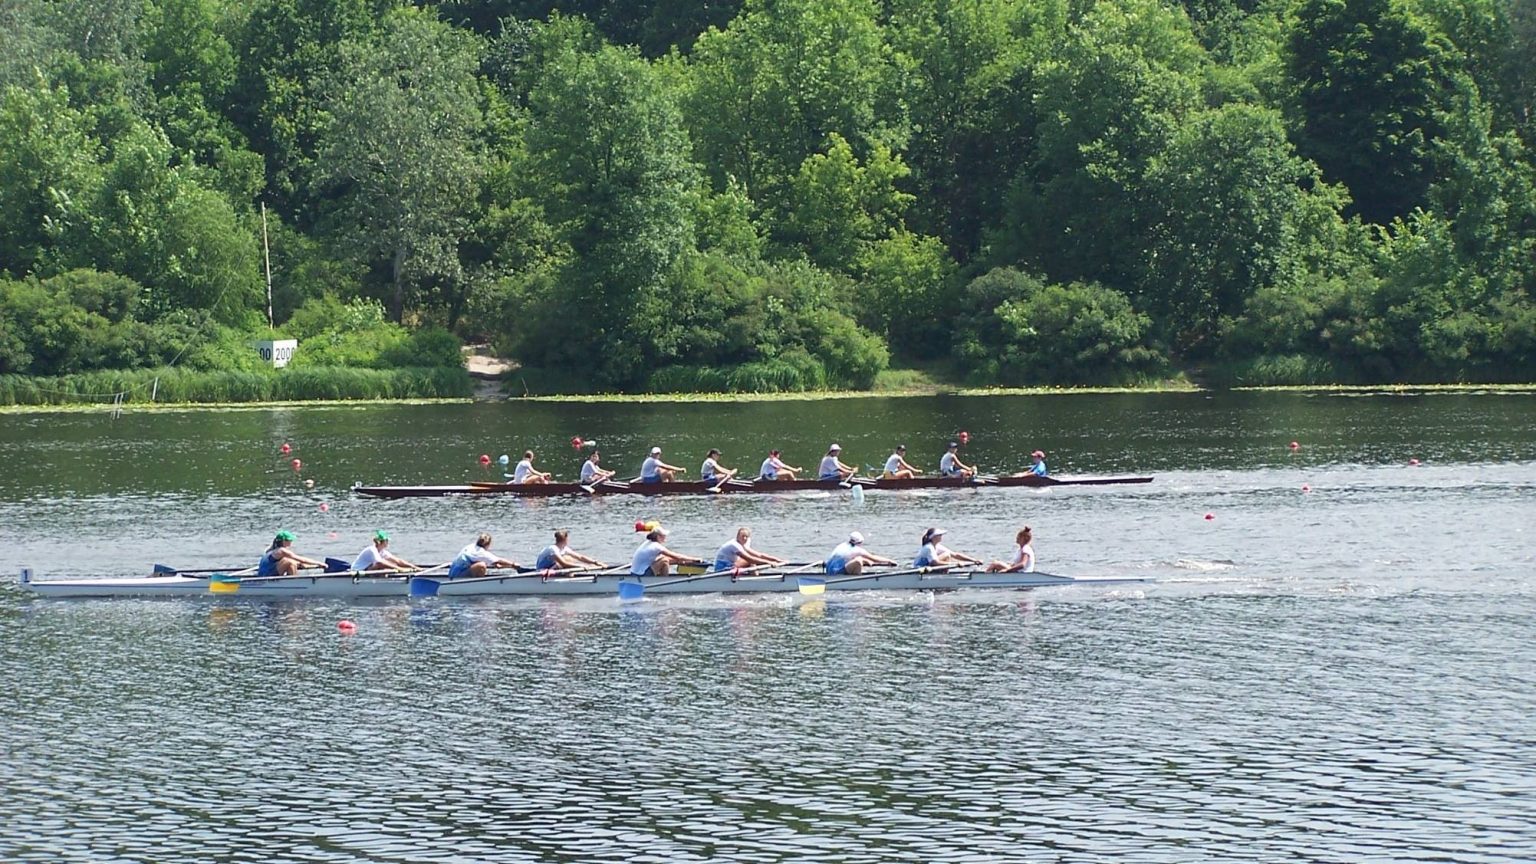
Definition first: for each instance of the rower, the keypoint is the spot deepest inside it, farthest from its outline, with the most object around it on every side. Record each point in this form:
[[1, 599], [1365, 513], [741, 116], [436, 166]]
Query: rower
[[832, 468], [525, 473], [850, 557], [476, 559], [591, 473], [655, 559], [1023, 556], [560, 555], [1038, 469], [951, 466], [897, 467], [739, 553], [378, 557], [656, 471], [712, 472], [774, 468], [936, 554], [281, 560]]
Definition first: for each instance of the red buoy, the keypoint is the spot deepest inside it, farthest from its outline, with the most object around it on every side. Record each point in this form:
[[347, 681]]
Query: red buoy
[[296, 464], [485, 459], [285, 449], [347, 628], [965, 437], [576, 443], [1209, 517]]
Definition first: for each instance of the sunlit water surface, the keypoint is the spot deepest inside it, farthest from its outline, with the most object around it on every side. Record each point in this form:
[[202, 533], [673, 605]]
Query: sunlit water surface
[[1339, 665]]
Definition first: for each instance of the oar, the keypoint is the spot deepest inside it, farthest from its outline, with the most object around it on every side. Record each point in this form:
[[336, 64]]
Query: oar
[[428, 587], [167, 570], [812, 585], [629, 592], [336, 565]]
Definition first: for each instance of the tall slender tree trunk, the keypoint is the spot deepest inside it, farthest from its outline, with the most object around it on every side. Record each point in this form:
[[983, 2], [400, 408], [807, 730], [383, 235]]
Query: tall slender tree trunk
[[397, 302]]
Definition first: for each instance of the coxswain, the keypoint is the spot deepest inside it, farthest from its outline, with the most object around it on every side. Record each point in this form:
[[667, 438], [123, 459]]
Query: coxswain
[[936, 554], [281, 560], [653, 558], [951, 466], [560, 556], [476, 559], [850, 557], [712, 472], [378, 557], [1023, 555], [525, 473], [832, 468], [656, 471], [739, 554], [1038, 468], [774, 468], [897, 467]]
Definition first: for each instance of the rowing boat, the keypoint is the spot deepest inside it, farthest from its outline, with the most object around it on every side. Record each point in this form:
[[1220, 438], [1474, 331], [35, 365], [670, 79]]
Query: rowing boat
[[542, 490], [347, 584], [532, 583]]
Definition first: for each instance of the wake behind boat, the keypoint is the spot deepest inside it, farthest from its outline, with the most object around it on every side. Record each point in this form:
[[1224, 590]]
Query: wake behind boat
[[737, 486], [535, 583]]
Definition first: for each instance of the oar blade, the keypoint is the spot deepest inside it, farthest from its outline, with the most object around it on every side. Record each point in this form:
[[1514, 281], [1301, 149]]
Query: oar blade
[[223, 583], [420, 587], [630, 592], [336, 565], [164, 570], [810, 586]]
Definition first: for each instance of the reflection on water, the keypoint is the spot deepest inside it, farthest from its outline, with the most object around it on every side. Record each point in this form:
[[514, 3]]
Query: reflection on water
[[956, 727], [1343, 674]]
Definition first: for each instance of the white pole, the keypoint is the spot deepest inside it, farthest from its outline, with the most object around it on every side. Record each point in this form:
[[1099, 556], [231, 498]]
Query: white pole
[[266, 252]]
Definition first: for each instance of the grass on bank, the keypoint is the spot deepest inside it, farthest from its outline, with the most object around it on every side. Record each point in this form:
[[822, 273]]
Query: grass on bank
[[182, 386]]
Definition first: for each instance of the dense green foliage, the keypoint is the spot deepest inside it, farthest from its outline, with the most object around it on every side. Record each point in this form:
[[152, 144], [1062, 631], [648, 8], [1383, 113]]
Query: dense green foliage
[[774, 194]]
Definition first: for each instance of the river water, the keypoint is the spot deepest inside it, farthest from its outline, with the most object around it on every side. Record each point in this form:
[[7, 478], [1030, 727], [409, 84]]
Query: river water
[[1339, 665]]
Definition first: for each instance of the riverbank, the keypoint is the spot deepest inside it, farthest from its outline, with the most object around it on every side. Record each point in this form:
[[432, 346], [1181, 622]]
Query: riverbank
[[141, 387]]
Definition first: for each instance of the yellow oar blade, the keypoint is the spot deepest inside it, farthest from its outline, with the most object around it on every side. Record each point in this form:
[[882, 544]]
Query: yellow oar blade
[[810, 586], [222, 585]]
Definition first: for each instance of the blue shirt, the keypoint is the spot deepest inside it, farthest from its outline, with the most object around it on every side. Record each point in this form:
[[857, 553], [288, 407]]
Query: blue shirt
[[1038, 469]]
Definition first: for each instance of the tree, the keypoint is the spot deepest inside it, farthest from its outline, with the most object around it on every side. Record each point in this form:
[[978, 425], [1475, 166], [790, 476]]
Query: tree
[[400, 148], [608, 159], [765, 93], [48, 175], [1370, 78], [1227, 190]]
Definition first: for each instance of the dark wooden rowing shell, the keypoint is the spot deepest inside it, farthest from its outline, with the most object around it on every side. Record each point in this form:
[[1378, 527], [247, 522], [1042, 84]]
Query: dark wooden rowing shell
[[542, 490]]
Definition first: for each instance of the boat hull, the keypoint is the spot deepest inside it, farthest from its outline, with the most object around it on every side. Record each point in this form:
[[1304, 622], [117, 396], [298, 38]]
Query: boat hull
[[544, 490], [359, 586], [346, 585]]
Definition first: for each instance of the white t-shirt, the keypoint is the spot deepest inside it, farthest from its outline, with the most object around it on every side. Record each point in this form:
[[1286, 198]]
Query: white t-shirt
[[770, 468], [369, 557], [588, 471], [1025, 554], [651, 467], [729, 554], [893, 464], [829, 466], [947, 465], [710, 468], [521, 472], [645, 556]]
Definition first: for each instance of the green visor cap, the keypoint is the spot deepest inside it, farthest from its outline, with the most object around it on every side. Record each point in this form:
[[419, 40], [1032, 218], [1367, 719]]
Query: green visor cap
[[381, 535], [285, 535]]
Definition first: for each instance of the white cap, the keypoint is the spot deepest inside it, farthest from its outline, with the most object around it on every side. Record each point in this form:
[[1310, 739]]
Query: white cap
[[835, 447], [655, 451], [938, 532], [856, 538]]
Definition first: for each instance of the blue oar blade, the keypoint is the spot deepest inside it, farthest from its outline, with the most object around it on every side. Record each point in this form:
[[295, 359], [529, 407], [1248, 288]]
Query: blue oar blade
[[629, 592], [423, 587], [164, 570], [336, 565]]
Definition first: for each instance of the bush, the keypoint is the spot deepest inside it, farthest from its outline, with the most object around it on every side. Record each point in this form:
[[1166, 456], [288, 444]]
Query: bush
[[1018, 329], [428, 347]]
